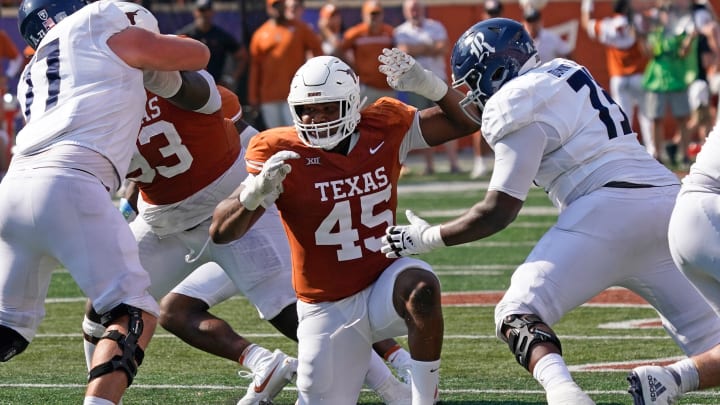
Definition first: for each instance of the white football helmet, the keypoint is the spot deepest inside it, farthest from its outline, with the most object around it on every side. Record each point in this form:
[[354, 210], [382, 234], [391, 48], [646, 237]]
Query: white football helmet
[[139, 16], [324, 79]]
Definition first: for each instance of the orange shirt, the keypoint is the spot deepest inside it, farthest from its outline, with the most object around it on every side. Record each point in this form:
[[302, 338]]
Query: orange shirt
[[276, 53], [366, 48], [622, 50], [335, 208], [185, 150]]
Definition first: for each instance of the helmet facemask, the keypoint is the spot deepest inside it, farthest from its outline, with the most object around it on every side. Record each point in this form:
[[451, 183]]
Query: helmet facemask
[[326, 134]]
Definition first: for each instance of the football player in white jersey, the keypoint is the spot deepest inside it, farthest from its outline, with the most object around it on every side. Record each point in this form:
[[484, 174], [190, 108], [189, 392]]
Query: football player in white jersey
[[695, 247], [82, 98], [552, 124]]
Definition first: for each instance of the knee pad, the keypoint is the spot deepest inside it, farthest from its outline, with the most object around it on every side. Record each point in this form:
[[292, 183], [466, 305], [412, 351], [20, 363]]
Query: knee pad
[[92, 331], [132, 355], [11, 343], [524, 334]]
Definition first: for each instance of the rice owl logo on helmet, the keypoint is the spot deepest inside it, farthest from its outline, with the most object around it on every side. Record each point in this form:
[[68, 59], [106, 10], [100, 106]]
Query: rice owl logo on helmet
[[479, 48]]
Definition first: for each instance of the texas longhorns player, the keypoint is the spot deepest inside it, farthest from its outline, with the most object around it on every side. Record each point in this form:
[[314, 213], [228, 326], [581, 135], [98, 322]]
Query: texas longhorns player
[[333, 177], [186, 161]]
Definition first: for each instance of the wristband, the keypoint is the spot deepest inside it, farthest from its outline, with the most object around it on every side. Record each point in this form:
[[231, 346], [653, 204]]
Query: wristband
[[127, 210], [431, 237], [214, 102], [437, 88]]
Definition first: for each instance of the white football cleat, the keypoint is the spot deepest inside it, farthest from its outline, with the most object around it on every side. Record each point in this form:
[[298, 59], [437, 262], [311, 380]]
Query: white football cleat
[[394, 392], [568, 393], [269, 379], [653, 385]]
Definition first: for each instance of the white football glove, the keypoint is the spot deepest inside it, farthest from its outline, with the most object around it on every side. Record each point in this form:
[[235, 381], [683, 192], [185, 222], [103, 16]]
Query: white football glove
[[264, 188], [405, 74], [405, 240]]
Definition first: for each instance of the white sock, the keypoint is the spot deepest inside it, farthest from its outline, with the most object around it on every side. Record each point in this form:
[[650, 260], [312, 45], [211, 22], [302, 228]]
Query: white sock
[[377, 373], [551, 370], [689, 378], [425, 379], [97, 401], [93, 329], [252, 355]]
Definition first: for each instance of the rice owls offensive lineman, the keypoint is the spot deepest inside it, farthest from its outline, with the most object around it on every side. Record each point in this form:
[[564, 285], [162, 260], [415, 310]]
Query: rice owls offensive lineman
[[82, 98], [335, 205], [554, 125]]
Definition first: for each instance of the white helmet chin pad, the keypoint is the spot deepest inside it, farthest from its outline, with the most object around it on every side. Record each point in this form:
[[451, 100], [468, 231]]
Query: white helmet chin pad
[[325, 79]]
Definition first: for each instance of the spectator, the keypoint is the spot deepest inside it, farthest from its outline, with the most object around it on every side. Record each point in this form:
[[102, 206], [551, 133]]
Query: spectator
[[549, 44], [360, 48], [330, 27], [625, 60], [671, 44], [701, 120], [294, 10], [220, 43], [493, 9], [277, 49], [426, 40]]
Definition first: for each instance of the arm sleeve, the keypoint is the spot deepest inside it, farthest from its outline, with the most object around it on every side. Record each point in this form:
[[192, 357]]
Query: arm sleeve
[[413, 138], [517, 160]]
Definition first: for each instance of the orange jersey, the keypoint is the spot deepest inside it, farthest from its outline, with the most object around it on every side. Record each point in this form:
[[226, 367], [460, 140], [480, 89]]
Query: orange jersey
[[335, 208], [181, 152], [276, 53], [622, 48], [366, 48]]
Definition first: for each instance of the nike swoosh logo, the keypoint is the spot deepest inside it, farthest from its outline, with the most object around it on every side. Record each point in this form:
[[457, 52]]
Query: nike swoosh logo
[[432, 370], [377, 148], [260, 388]]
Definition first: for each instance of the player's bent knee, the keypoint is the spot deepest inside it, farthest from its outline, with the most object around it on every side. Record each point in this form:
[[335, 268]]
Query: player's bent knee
[[175, 311], [524, 334], [425, 294], [11, 343], [132, 354]]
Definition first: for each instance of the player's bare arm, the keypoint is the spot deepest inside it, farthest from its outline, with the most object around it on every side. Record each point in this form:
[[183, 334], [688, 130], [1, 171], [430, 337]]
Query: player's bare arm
[[446, 121], [491, 215], [159, 52], [231, 219], [234, 216]]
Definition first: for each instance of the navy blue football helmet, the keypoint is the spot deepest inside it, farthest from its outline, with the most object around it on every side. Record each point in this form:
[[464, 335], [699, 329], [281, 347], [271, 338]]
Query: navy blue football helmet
[[488, 55], [36, 17]]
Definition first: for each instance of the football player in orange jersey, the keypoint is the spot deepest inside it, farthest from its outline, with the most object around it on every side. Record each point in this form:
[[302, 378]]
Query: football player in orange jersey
[[186, 161], [335, 205]]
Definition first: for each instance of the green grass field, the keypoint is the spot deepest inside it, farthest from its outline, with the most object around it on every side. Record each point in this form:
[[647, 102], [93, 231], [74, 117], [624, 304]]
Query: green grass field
[[476, 367]]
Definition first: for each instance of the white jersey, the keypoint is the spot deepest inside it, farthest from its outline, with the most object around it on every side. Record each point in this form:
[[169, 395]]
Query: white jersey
[[60, 87], [592, 144], [706, 169]]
